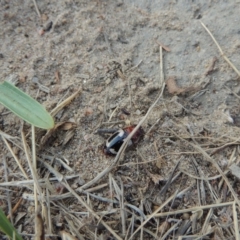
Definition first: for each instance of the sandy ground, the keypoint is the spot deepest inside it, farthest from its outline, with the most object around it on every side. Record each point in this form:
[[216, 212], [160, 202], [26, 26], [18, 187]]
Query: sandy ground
[[110, 49]]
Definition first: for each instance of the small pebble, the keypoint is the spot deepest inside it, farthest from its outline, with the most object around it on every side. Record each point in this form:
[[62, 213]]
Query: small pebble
[[108, 81], [99, 67], [88, 111], [84, 76], [133, 87], [138, 112], [100, 108], [35, 80]]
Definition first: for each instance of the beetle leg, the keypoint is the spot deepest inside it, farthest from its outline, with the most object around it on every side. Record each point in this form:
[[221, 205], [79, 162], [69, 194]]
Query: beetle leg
[[104, 130]]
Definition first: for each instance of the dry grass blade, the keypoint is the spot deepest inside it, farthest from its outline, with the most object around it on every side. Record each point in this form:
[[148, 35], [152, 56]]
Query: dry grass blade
[[195, 216], [212, 161], [58, 175], [15, 157], [174, 227], [163, 46], [130, 227], [73, 228], [37, 188], [162, 83], [7, 136], [199, 178], [67, 236], [48, 213], [40, 234], [15, 207], [36, 7], [13, 140], [90, 210], [211, 66], [154, 214], [165, 188], [64, 103], [120, 196], [182, 229], [235, 219], [206, 224], [30, 181], [7, 190], [33, 171], [65, 165], [217, 205], [220, 49], [200, 185]]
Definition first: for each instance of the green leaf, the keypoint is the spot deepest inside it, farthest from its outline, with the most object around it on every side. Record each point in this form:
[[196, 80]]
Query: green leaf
[[7, 228], [25, 106]]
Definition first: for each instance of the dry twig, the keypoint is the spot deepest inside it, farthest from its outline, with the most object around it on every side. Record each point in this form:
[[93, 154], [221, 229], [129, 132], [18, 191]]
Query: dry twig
[[220, 50]]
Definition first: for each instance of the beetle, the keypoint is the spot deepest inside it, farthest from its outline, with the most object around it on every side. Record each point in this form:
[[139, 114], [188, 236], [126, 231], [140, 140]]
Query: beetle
[[114, 142]]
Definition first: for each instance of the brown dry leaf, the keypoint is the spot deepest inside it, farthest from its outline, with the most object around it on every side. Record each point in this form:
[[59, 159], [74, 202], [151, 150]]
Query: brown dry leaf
[[22, 78], [44, 17], [67, 236], [63, 125], [211, 66], [57, 77], [163, 227], [155, 207], [121, 75], [40, 235], [218, 234], [68, 125], [173, 87], [68, 136], [156, 178], [160, 163], [88, 111]]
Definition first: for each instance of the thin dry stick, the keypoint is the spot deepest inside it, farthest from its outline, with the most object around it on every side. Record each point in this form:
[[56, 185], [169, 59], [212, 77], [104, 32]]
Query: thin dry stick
[[206, 223], [220, 49], [217, 205], [123, 212], [161, 67], [111, 189], [211, 160], [34, 162], [154, 214], [7, 190], [141, 234], [130, 97], [16, 206], [64, 103], [200, 178], [49, 218], [124, 145], [90, 210], [15, 157], [36, 7], [129, 227], [173, 227], [235, 218], [33, 172], [232, 92], [236, 142], [120, 196], [30, 182]]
